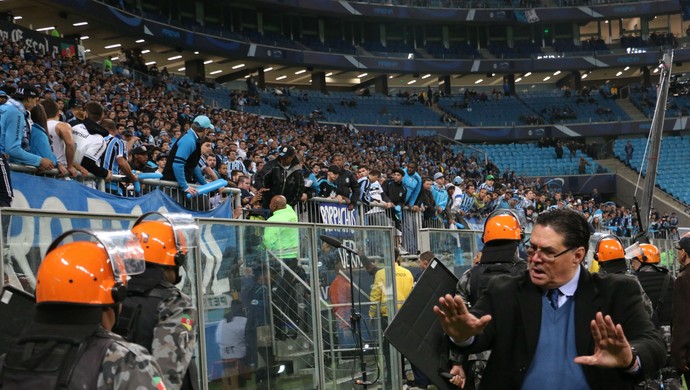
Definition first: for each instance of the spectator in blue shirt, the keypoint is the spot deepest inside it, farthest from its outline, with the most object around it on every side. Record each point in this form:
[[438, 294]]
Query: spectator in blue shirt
[[183, 159], [413, 183], [438, 190], [15, 133]]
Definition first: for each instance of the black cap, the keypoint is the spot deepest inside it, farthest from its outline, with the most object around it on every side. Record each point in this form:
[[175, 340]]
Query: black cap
[[684, 244], [161, 156], [286, 151], [141, 149], [25, 91]]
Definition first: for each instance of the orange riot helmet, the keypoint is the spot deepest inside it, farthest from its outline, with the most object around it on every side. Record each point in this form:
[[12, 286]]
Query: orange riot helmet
[[165, 237], [91, 271], [609, 247], [502, 224], [650, 254]]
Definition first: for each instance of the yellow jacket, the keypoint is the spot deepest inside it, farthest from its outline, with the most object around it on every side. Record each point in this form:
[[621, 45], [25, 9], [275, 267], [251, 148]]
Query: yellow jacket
[[380, 291]]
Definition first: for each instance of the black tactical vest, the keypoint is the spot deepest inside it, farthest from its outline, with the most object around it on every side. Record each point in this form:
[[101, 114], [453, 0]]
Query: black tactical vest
[[652, 279], [482, 273], [139, 314], [47, 357]]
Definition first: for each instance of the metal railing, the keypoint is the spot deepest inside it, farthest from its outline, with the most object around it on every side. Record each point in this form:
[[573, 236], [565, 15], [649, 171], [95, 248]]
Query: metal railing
[[406, 221], [119, 185]]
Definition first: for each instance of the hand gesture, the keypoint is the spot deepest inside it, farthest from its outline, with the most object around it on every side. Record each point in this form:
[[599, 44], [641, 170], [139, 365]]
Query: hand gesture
[[62, 169], [456, 321], [192, 191], [611, 347], [45, 165], [459, 378]]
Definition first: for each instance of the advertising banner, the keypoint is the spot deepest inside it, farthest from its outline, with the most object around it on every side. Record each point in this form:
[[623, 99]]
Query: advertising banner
[[42, 43]]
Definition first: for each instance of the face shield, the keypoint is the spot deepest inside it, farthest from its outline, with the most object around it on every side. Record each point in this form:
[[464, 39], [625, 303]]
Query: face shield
[[593, 241], [184, 227], [633, 251], [125, 254]]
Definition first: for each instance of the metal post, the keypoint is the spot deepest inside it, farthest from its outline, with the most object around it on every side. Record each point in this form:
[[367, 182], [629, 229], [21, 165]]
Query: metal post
[[319, 371], [655, 138]]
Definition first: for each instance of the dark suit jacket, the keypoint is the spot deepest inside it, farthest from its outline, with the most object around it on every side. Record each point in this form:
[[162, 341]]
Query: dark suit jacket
[[680, 344], [515, 306]]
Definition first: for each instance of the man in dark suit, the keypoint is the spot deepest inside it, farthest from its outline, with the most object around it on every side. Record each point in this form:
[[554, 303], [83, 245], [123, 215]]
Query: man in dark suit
[[680, 343], [557, 326]]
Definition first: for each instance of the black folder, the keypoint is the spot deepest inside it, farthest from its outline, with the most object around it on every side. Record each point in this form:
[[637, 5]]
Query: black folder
[[416, 332], [16, 311]]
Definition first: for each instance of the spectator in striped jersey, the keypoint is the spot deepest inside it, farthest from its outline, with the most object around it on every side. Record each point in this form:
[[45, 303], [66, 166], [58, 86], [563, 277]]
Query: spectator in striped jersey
[[235, 164], [526, 201], [488, 184], [115, 158], [206, 151], [467, 201]]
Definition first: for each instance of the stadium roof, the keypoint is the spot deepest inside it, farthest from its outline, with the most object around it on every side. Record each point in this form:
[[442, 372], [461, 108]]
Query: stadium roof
[[102, 41]]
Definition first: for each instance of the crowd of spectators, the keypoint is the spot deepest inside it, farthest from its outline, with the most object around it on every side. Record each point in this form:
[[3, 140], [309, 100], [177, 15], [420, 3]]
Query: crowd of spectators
[[151, 115]]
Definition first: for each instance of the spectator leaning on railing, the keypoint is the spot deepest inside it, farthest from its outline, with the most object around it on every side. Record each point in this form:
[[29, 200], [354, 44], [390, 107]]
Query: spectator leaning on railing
[[15, 133]]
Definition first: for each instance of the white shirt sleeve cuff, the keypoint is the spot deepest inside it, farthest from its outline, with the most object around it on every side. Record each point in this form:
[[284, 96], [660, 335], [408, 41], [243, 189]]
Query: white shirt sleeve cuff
[[463, 343]]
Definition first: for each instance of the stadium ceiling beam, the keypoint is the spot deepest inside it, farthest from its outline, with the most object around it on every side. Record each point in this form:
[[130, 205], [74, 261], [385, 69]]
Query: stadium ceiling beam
[[367, 83], [240, 74]]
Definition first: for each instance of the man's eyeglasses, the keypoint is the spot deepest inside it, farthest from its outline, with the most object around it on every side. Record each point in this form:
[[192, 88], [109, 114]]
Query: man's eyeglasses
[[545, 256]]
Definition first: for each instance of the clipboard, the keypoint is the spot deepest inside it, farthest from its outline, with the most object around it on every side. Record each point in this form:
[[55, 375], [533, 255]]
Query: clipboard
[[416, 332], [17, 311]]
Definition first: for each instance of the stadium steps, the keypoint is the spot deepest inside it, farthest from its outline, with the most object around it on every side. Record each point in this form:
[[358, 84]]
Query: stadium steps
[[424, 53], [626, 179], [486, 54], [440, 112], [363, 52], [633, 112], [548, 50]]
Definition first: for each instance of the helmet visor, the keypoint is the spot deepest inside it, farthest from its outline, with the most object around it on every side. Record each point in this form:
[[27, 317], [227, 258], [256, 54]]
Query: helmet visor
[[124, 251], [633, 251], [520, 217], [184, 226], [125, 254]]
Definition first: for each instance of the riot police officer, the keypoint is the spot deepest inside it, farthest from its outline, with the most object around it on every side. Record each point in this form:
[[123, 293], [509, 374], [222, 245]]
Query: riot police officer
[[503, 231], [68, 344], [657, 283], [156, 314], [610, 254]]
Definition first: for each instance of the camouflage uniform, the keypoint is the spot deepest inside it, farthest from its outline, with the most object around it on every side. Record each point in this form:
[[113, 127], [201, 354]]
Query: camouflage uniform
[[648, 305], [129, 366], [174, 338], [478, 359]]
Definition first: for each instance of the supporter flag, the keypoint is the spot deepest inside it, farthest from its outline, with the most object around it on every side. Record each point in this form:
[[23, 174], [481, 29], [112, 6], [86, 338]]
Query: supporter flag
[[531, 16], [68, 50], [187, 322], [158, 383]]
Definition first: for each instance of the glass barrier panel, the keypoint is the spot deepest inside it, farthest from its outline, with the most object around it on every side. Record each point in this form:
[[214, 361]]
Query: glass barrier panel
[[257, 283], [356, 305]]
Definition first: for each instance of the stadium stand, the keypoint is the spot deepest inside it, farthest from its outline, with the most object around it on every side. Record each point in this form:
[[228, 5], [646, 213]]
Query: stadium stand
[[674, 157]]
